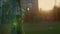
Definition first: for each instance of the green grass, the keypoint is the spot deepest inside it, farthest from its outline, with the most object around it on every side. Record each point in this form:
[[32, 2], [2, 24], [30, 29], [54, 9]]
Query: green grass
[[42, 28]]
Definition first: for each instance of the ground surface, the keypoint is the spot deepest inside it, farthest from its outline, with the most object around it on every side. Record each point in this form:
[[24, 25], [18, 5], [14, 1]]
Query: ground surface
[[42, 28]]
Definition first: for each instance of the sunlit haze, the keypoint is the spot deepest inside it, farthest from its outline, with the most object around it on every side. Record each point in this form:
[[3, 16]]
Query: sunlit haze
[[47, 4], [58, 3]]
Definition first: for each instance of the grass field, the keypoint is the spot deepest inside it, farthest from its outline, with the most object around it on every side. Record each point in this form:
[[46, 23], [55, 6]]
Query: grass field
[[42, 28]]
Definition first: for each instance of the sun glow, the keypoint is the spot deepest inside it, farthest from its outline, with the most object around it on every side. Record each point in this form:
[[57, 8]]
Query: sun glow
[[58, 3], [46, 4]]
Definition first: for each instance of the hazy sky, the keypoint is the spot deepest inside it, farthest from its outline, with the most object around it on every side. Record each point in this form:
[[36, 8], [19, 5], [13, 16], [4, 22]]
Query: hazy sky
[[47, 4], [58, 3]]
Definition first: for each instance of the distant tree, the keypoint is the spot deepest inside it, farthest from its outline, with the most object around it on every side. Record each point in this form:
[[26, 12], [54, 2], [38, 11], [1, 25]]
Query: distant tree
[[56, 12]]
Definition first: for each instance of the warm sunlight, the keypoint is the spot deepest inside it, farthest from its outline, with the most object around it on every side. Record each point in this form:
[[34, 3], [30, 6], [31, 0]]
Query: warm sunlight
[[46, 4], [58, 3]]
